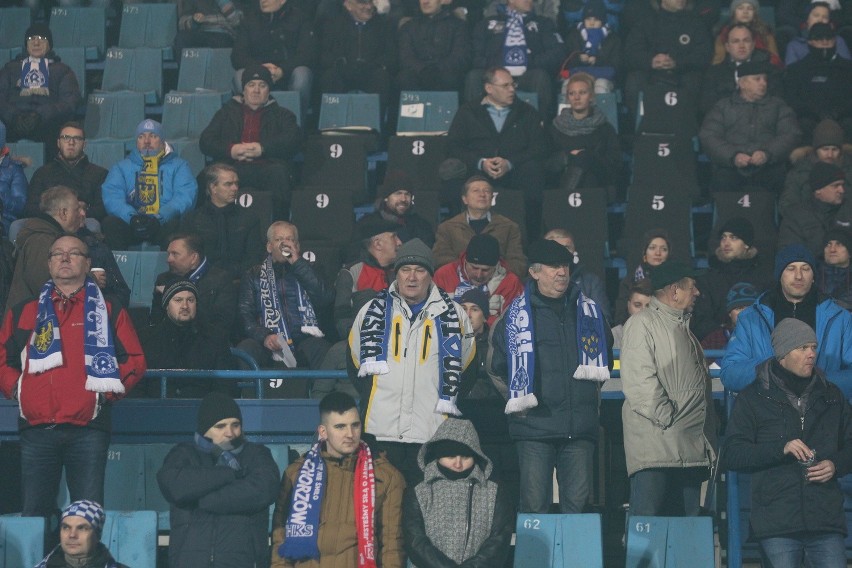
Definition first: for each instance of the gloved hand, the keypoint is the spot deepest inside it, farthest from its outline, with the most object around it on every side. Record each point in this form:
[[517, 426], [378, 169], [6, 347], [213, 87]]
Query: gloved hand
[[144, 226]]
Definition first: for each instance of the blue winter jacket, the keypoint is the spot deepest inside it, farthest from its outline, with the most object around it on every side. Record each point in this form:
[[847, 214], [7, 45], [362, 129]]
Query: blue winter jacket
[[13, 190], [751, 344], [178, 187]]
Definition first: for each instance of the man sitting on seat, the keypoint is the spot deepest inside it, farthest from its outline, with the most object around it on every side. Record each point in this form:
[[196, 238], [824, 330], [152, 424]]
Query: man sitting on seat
[[147, 193], [480, 267], [395, 203], [279, 304], [257, 137], [80, 528]]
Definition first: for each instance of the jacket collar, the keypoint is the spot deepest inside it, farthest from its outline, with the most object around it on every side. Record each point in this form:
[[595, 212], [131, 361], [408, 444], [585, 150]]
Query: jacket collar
[[669, 312]]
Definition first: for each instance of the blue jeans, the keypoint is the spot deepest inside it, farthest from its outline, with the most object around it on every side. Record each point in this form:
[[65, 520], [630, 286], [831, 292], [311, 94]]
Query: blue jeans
[[573, 460], [667, 491], [825, 550], [82, 451]]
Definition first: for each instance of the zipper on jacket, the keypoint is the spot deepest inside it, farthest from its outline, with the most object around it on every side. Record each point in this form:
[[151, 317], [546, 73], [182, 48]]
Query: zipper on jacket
[[469, 514]]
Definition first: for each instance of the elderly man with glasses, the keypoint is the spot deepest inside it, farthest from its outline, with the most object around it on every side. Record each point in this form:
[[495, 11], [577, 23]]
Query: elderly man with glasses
[[65, 356]]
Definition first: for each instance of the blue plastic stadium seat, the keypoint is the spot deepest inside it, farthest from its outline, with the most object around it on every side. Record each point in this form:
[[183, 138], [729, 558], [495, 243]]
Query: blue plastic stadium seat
[[149, 25], [528, 97], [124, 484], [669, 542], [80, 26], [114, 115], [291, 101], [75, 58], [349, 112], [21, 541], [107, 152], [13, 22], [189, 150], [138, 69], [608, 105], [554, 541], [206, 68], [29, 149], [7, 54], [154, 500], [140, 270], [187, 114], [426, 112], [131, 537]]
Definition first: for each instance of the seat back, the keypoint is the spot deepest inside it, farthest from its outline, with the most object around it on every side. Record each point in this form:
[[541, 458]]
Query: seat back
[[140, 270], [206, 68], [528, 97], [667, 110], [756, 206], [79, 26], [136, 69], [316, 212], [669, 542], [75, 58], [124, 482], [583, 213], [554, 541], [666, 160], [114, 115], [510, 203], [337, 161], [607, 103], [29, 149], [419, 157], [131, 537], [291, 101], [187, 114], [189, 150], [326, 259], [651, 208], [427, 204], [148, 25], [260, 202], [426, 112], [13, 22], [106, 152], [351, 111], [21, 540]]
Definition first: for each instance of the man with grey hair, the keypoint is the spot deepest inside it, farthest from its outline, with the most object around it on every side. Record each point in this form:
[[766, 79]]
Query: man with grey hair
[[669, 423], [61, 212], [792, 430], [551, 351], [280, 302]]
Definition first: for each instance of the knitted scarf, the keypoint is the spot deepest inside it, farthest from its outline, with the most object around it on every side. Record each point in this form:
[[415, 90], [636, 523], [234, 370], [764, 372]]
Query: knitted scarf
[[275, 319], [520, 348], [44, 351], [43, 564], [146, 195], [375, 340], [226, 458], [303, 521], [199, 272], [515, 44], [570, 126], [35, 77]]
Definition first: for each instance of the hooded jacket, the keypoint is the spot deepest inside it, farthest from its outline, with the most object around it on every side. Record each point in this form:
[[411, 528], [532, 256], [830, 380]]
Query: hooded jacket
[[751, 344], [178, 187], [448, 523], [668, 408], [763, 421], [338, 538], [503, 287], [400, 405]]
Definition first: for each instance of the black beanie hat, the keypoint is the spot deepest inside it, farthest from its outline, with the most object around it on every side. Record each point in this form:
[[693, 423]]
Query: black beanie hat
[[740, 228], [823, 174], [216, 406], [395, 180], [483, 249], [38, 29], [256, 72], [839, 234]]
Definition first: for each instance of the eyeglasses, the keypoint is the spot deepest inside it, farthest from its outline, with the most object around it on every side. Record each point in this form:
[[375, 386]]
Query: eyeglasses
[[71, 255], [36, 38], [69, 138], [506, 85]]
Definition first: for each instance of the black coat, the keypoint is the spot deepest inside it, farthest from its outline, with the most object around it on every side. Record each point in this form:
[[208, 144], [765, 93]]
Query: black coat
[[280, 135], [348, 44], [193, 346], [545, 48], [439, 41], [720, 83], [763, 421], [816, 87], [217, 519], [600, 161], [84, 177], [412, 226], [681, 35], [217, 297], [64, 95], [233, 238], [472, 135], [284, 38]]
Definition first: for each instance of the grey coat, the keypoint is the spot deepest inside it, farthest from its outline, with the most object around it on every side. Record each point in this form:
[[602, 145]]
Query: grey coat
[[668, 413]]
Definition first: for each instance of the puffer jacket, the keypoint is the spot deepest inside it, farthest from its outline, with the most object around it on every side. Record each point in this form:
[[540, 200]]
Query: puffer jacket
[[710, 313], [286, 278], [503, 287], [751, 344], [218, 520], [567, 407], [63, 100], [454, 234], [448, 523], [400, 405], [13, 190], [545, 48], [668, 410], [33, 242], [178, 187], [280, 135], [736, 125], [338, 539], [763, 421]]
